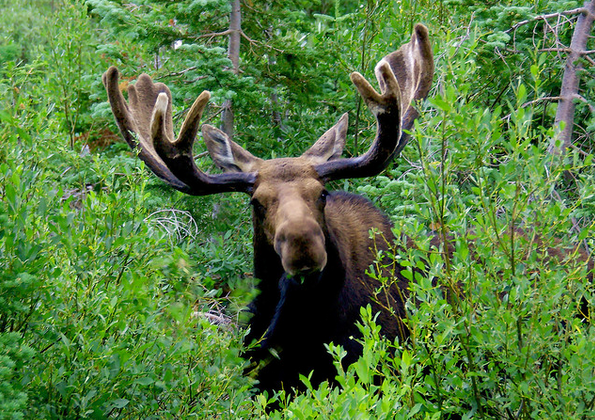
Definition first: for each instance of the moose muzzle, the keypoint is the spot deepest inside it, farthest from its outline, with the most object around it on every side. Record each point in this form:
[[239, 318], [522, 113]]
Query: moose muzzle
[[301, 246]]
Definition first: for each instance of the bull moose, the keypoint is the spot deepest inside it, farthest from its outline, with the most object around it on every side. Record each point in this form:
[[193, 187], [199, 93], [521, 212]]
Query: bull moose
[[312, 247]]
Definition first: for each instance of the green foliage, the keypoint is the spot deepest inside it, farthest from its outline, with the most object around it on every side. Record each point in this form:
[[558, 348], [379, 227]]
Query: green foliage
[[295, 60], [516, 36], [384, 383], [72, 41], [23, 24], [110, 307], [110, 281], [495, 325], [60, 61], [498, 326], [103, 312], [14, 356]]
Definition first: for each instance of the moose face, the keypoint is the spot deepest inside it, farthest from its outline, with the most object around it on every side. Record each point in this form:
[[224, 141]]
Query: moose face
[[288, 195], [288, 202]]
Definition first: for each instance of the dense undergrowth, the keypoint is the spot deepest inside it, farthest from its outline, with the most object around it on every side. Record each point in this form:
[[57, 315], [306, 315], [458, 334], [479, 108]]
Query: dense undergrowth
[[120, 298]]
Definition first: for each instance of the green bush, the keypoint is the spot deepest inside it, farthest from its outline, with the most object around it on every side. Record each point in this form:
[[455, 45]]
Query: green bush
[[497, 325], [111, 283], [110, 306], [102, 311]]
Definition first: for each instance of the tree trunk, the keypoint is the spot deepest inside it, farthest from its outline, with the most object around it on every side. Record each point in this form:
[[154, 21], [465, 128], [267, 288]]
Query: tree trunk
[[570, 80], [233, 53]]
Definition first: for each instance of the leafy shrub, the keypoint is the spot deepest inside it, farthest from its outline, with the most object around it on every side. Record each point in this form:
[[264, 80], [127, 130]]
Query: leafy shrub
[[109, 305], [104, 313], [498, 327], [14, 356]]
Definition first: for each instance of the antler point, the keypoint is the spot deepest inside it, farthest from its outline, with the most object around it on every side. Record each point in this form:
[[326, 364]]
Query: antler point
[[162, 102], [355, 76]]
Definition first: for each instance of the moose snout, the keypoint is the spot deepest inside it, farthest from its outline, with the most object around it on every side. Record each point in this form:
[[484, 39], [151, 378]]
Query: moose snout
[[301, 246]]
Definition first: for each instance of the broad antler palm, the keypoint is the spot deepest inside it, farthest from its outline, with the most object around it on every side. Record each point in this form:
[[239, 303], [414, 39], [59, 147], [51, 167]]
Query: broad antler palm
[[146, 124], [404, 76]]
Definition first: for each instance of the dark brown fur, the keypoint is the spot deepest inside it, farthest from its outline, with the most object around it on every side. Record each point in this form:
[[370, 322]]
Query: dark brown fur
[[296, 320]]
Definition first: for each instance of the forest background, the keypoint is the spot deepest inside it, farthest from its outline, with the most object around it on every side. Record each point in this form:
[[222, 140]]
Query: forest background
[[121, 298]]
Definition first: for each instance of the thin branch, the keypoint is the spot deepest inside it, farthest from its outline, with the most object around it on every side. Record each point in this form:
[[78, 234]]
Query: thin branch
[[466, 36], [196, 79], [242, 33], [566, 50], [580, 151], [179, 73], [545, 98], [247, 38], [215, 34], [584, 100], [572, 12]]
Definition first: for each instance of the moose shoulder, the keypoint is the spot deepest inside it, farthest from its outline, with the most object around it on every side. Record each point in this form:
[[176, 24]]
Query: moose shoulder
[[312, 247]]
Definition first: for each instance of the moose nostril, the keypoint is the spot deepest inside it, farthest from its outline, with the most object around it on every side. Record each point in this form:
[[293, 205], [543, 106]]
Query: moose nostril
[[301, 247], [280, 239]]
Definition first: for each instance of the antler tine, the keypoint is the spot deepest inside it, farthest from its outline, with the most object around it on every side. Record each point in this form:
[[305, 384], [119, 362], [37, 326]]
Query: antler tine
[[413, 65], [178, 156], [403, 76], [146, 123], [127, 123]]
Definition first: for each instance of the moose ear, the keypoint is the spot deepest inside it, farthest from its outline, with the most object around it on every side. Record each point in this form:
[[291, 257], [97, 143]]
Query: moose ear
[[330, 145], [227, 154]]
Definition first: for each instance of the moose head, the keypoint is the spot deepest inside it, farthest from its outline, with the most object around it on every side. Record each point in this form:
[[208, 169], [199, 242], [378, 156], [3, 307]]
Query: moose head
[[300, 228]]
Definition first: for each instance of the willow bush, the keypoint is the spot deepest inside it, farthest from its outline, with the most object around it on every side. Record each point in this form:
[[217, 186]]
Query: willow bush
[[106, 309]]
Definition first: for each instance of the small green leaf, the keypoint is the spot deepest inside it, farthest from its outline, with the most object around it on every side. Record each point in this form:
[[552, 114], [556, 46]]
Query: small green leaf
[[144, 381], [120, 403]]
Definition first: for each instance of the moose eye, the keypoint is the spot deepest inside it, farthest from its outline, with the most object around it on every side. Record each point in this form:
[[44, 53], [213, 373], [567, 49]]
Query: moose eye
[[259, 209], [323, 196]]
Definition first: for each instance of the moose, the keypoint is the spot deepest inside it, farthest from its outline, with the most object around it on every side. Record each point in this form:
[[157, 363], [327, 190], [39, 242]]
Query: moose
[[312, 247]]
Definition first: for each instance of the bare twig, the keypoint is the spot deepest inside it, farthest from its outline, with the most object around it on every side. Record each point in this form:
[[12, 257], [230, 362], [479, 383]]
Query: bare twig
[[466, 36], [247, 38], [567, 50], [545, 98], [560, 50], [215, 34], [196, 79], [585, 101], [181, 72], [546, 17]]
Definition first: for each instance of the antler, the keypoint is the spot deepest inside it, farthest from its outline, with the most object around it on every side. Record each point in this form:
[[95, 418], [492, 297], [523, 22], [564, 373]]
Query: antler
[[146, 124], [404, 76]]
